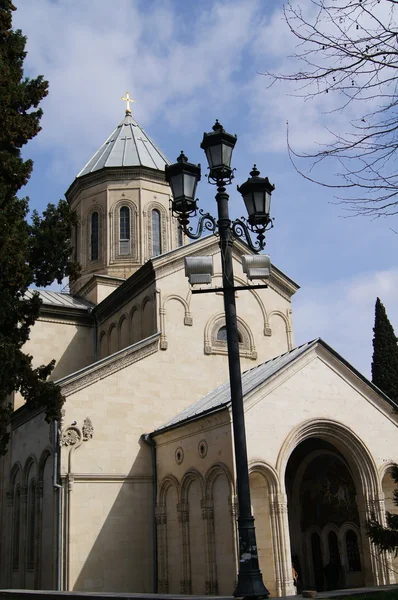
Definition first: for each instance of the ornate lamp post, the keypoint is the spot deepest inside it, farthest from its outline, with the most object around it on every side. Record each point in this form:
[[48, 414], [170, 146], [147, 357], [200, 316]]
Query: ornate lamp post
[[256, 191]]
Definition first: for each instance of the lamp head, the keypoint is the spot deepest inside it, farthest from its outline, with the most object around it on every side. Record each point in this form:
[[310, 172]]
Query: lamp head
[[256, 193], [183, 178], [218, 146]]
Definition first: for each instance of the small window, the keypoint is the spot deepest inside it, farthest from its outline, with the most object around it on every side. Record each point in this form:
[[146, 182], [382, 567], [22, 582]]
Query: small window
[[94, 236], [222, 335], [215, 338], [124, 231], [354, 559], [156, 236]]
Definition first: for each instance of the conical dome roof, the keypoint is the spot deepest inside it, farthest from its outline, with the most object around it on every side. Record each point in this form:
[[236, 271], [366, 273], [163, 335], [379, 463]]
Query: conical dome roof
[[127, 146]]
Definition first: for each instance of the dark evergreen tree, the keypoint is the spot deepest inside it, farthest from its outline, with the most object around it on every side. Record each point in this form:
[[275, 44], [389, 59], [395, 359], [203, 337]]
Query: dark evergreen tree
[[32, 251], [386, 538], [385, 376], [385, 354]]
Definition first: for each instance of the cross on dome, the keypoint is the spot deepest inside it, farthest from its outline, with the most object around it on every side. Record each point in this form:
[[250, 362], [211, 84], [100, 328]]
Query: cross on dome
[[127, 99]]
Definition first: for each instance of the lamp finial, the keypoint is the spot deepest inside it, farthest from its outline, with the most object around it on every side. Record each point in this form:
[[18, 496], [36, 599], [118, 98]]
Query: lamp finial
[[255, 172]]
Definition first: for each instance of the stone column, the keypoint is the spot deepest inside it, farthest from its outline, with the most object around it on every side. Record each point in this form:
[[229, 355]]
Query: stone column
[[183, 519], [279, 508], [38, 533], [211, 566], [373, 563], [8, 536], [234, 512], [161, 523], [276, 549], [163, 337], [22, 533]]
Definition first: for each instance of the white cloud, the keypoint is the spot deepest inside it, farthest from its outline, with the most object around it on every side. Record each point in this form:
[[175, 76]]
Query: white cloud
[[342, 313], [91, 53]]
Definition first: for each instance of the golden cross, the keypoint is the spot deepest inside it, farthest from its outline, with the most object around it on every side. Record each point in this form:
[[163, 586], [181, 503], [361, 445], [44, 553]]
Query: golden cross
[[128, 100]]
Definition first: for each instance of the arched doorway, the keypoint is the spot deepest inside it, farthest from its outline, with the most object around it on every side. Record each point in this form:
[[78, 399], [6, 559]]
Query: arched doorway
[[324, 519]]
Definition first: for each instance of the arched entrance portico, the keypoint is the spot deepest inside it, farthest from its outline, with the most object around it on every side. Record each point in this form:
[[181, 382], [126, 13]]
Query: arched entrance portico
[[332, 487], [323, 517]]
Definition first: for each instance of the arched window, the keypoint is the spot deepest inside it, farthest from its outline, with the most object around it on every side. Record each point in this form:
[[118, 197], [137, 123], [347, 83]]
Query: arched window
[[31, 523], [124, 230], [94, 236], [222, 335], [16, 529], [334, 554], [156, 235], [354, 559]]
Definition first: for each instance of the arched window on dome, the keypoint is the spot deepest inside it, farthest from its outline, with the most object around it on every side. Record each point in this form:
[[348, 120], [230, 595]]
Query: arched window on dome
[[94, 236], [124, 231], [156, 233]]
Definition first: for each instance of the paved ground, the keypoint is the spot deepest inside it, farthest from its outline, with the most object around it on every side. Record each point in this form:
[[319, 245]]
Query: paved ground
[[352, 591], [52, 595]]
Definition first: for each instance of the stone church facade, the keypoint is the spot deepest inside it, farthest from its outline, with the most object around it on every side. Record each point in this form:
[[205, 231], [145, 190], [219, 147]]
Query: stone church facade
[[134, 490]]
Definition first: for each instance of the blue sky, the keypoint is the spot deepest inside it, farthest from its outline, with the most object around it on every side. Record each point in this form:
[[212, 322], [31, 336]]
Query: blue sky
[[187, 63]]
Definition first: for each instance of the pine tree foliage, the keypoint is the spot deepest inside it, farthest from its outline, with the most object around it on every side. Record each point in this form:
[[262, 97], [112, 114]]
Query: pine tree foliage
[[385, 376], [32, 251], [386, 538], [385, 354]]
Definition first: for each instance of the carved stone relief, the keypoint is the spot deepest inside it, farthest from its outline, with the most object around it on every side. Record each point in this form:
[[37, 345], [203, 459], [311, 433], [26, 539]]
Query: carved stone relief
[[73, 435]]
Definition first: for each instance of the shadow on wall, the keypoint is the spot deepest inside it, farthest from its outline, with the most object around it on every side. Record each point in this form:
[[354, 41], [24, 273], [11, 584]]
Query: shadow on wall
[[111, 536], [78, 353]]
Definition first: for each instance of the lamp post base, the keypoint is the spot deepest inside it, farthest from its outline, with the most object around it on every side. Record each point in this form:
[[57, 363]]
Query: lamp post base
[[250, 586], [250, 581]]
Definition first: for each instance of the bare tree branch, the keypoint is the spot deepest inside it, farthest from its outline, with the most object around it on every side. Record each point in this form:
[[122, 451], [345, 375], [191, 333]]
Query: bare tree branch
[[350, 48]]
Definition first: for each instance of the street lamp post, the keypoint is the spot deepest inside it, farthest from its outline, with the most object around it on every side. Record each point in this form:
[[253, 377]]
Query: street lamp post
[[256, 192]]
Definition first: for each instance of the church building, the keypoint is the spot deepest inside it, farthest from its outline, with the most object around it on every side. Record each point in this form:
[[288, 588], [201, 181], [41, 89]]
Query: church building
[[134, 490]]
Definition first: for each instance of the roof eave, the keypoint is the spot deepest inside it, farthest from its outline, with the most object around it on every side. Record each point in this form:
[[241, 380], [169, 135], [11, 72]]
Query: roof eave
[[101, 175]]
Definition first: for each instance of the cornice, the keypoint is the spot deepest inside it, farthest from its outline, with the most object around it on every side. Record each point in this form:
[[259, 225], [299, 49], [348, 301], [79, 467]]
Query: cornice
[[108, 366], [112, 174], [65, 315], [109, 478]]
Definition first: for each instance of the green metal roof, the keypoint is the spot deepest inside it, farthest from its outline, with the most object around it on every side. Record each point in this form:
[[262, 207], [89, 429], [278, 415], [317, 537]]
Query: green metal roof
[[127, 146]]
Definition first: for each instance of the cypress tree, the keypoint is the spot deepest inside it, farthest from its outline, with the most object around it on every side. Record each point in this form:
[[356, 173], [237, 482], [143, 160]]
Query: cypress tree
[[33, 250], [385, 354], [385, 376]]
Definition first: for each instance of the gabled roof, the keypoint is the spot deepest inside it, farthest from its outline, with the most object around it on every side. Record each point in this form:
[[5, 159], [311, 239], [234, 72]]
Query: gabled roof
[[127, 146], [220, 397], [57, 299]]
